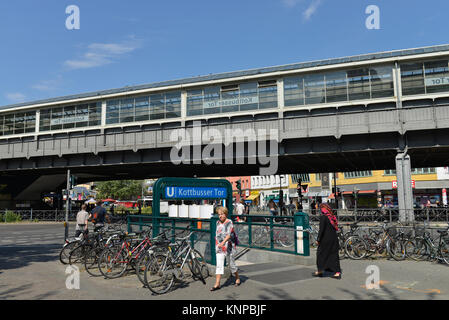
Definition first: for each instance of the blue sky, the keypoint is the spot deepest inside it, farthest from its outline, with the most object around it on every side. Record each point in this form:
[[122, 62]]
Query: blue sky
[[143, 41]]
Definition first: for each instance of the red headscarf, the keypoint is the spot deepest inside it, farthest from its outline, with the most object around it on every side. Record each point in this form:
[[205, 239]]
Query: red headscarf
[[327, 211]]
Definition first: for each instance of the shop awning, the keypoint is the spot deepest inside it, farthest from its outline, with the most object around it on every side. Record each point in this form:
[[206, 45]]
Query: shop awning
[[367, 191], [310, 194], [253, 196]]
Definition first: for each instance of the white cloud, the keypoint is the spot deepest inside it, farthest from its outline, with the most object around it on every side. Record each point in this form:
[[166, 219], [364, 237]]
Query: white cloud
[[99, 54], [311, 9], [15, 97], [48, 85]]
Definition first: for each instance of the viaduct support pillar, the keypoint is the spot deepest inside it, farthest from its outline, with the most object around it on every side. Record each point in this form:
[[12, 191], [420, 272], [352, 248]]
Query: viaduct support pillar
[[405, 191]]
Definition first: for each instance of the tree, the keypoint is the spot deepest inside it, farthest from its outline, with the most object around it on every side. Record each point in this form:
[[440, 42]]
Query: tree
[[119, 189]]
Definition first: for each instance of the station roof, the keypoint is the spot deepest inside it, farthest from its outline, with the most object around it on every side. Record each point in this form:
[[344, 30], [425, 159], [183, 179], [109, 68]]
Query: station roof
[[234, 74]]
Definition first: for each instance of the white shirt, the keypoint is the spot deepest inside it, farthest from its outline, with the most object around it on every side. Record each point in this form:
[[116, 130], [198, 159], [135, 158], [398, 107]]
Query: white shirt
[[81, 218], [239, 208]]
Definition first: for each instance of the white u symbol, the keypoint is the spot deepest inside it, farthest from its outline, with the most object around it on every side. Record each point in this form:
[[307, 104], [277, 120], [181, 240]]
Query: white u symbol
[[170, 191]]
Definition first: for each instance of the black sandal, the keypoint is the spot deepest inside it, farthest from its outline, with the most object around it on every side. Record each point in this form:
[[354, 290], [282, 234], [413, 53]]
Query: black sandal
[[337, 277], [317, 274], [215, 288]]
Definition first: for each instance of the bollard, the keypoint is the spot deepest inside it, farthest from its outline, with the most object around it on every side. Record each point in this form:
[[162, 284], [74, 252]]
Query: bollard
[[213, 230], [302, 238]]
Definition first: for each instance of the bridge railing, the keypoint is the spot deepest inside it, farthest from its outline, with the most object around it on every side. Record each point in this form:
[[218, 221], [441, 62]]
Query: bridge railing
[[39, 215], [389, 215]]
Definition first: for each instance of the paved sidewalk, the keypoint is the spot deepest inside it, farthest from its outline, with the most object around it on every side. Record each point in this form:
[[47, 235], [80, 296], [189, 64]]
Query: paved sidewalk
[[31, 270]]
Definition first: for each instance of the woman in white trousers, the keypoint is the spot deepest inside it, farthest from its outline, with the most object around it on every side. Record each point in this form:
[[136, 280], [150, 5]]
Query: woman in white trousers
[[224, 247]]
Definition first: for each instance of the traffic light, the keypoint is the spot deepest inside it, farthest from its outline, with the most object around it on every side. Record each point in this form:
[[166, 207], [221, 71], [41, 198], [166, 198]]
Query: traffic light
[[298, 189], [239, 186], [355, 193], [72, 181]]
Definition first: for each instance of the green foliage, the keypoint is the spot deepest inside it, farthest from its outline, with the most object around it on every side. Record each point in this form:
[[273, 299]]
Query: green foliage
[[119, 189], [122, 210], [10, 216]]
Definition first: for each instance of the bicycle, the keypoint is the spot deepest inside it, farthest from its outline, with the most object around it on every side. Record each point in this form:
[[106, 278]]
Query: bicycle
[[261, 236], [163, 269], [424, 246], [114, 260], [358, 247]]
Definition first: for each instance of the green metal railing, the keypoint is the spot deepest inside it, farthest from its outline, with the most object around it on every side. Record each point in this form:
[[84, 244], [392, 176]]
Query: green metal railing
[[272, 233]]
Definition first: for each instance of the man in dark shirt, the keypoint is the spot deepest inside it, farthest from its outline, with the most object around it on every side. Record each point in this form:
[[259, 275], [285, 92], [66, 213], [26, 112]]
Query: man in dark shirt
[[98, 216]]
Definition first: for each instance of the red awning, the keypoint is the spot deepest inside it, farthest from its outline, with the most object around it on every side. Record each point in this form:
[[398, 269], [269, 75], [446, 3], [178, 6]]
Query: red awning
[[367, 191]]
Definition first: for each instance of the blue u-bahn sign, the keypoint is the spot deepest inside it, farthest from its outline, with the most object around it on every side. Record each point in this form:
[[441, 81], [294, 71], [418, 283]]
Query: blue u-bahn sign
[[195, 192]]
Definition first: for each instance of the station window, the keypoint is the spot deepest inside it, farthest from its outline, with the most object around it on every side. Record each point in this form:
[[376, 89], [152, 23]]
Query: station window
[[17, 123], [232, 98], [345, 85], [357, 174], [412, 75], [153, 107], [68, 117]]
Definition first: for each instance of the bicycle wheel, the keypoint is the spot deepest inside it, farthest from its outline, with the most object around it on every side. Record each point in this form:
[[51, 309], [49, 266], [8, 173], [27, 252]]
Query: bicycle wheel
[[260, 238], [91, 262], [284, 239], [444, 251], [396, 249], [112, 263], [77, 254], [356, 248], [141, 265], [417, 249], [341, 248], [64, 254], [198, 266], [158, 276]]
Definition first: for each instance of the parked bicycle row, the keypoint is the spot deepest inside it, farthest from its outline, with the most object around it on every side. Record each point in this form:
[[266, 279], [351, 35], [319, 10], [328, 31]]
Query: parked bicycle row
[[157, 261], [396, 241]]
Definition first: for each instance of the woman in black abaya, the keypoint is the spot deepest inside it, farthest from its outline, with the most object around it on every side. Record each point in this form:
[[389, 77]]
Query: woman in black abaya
[[327, 255]]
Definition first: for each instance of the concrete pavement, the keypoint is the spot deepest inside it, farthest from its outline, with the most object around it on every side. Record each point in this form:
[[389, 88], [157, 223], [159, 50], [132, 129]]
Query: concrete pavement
[[30, 269]]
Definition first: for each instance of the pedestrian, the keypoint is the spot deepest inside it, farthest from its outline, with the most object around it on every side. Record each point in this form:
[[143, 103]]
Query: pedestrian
[[327, 258], [313, 206], [239, 209], [82, 221], [246, 211], [291, 208], [224, 247], [272, 206], [98, 216]]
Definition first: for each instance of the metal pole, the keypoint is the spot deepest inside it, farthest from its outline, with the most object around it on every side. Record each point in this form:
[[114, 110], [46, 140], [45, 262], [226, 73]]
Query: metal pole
[[335, 190], [66, 223]]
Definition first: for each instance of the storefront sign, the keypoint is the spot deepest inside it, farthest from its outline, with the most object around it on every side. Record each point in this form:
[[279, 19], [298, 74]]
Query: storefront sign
[[230, 102], [58, 121], [195, 193], [437, 81], [394, 184]]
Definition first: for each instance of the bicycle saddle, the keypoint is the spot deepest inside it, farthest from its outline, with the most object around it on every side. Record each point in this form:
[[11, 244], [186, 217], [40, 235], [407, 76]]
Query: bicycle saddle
[[443, 232]]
